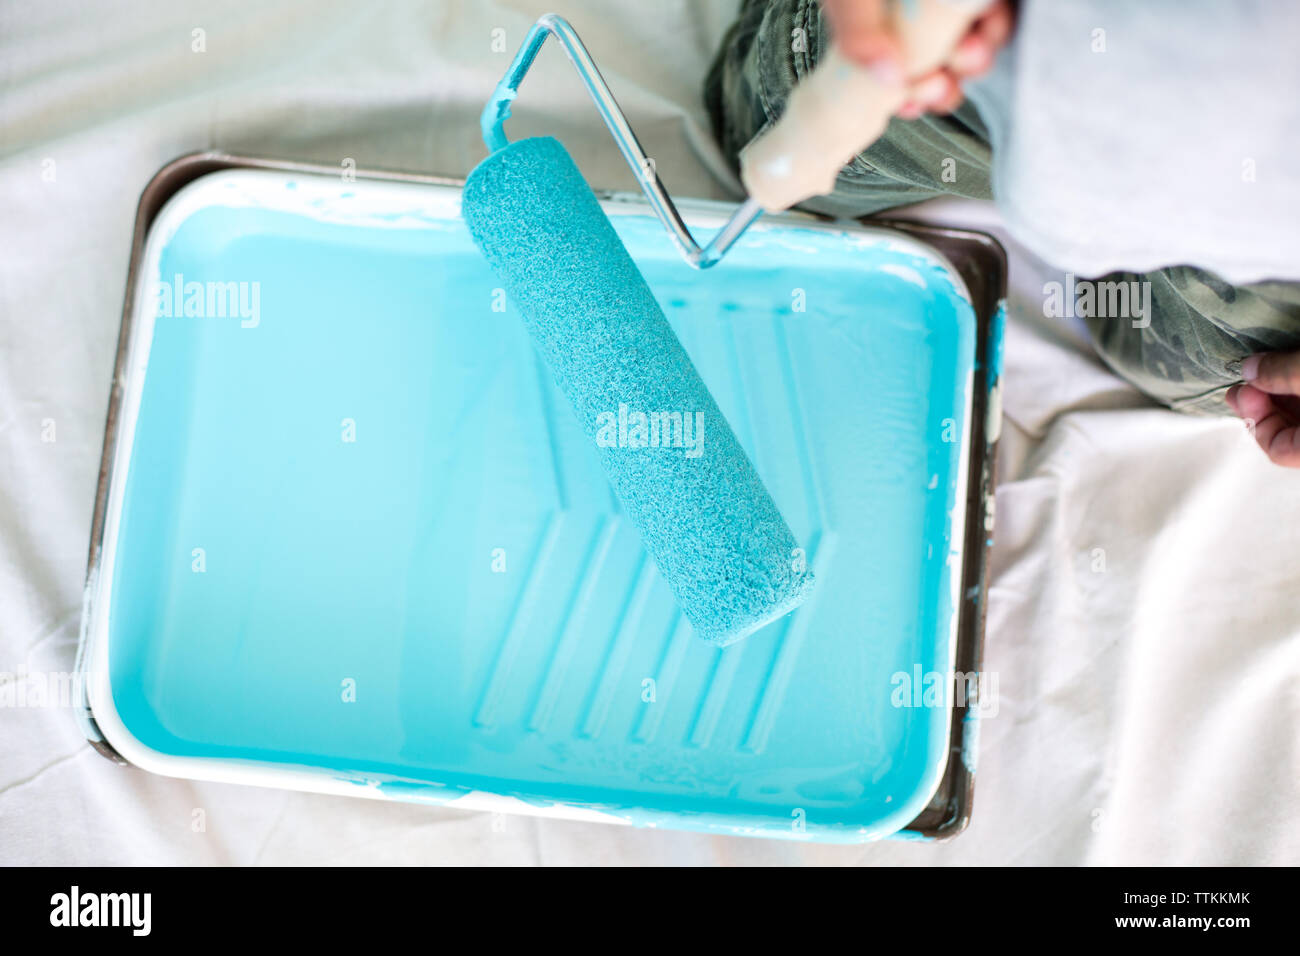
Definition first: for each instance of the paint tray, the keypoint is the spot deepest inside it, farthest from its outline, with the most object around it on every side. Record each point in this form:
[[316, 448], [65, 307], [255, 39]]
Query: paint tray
[[349, 537]]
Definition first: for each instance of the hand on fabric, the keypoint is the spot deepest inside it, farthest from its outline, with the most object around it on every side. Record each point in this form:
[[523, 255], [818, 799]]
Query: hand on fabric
[[1269, 403], [861, 28]]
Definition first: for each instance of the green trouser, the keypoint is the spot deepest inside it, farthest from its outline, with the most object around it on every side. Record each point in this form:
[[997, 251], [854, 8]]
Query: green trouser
[[1187, 347]]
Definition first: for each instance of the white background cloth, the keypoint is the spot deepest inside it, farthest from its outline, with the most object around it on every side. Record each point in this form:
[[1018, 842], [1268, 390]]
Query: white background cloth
[[1148, 712], [1176, 120]]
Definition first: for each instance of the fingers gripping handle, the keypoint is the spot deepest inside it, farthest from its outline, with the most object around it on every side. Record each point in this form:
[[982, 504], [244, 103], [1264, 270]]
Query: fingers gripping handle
[[842, 108]]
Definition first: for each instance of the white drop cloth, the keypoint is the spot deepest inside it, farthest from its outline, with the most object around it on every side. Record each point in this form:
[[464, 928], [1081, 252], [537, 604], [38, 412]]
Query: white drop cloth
[[1174, 118]]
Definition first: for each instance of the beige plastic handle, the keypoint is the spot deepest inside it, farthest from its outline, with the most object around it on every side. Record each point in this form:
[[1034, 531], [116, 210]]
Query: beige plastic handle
[[842, 108]]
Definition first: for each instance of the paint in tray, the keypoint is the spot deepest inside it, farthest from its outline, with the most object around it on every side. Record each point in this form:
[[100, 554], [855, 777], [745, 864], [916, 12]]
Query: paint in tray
[[356, 542]]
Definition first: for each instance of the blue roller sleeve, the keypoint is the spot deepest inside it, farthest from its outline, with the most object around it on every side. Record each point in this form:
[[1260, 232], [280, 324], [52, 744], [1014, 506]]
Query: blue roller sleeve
[[706, 519]]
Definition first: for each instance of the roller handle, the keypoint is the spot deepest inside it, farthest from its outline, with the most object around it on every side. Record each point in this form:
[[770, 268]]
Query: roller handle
[[842, 107]]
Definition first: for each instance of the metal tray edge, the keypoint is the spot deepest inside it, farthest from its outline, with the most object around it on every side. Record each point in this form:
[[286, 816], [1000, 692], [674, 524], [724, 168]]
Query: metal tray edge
[[978, 258]]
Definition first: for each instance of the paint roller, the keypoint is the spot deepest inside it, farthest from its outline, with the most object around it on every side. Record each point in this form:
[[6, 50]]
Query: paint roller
[[677, 468]]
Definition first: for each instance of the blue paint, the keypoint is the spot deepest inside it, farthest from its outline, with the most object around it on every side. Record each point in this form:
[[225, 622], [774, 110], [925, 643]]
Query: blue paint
[[997, 334], [372, 560], [494, 115], [713, 531]]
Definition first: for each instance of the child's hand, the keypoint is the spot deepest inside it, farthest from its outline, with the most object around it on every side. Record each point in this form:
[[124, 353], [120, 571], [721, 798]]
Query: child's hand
[[862, 30], [1270, 404]]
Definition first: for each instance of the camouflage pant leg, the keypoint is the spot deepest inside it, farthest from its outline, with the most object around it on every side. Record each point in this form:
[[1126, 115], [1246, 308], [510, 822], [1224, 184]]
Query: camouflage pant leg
[[1200, 328], [1185, 354], [772, 45]]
